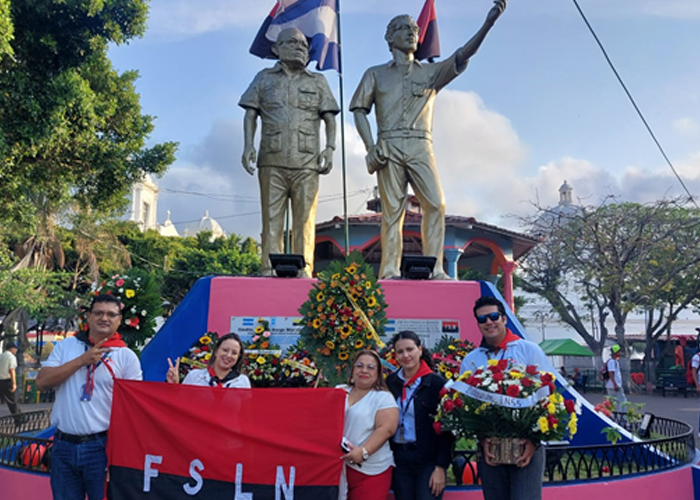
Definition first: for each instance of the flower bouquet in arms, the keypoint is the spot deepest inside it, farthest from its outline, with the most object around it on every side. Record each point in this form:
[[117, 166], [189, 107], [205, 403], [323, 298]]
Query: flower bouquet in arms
[[504, 404]]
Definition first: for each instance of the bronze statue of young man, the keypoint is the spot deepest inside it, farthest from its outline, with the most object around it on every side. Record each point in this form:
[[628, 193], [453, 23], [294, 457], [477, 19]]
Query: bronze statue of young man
[[291, 102], [403, 94]]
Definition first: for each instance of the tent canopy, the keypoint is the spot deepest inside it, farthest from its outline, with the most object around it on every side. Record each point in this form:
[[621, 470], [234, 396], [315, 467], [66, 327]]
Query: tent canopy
[[564, 347]]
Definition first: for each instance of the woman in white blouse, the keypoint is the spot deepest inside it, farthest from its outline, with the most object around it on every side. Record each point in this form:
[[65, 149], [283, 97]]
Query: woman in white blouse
[[224, 368], [371, 417]]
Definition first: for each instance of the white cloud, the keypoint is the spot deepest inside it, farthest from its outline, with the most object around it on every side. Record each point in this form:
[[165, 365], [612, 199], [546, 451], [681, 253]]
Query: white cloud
[[676, 9], [687, 126]]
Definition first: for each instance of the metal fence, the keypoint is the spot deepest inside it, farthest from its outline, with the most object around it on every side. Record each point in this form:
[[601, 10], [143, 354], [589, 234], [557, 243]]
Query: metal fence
[[672, 445], [19, 448]]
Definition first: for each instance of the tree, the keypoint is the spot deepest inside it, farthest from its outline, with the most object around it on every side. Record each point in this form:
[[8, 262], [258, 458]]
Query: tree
[[615, 258], [71, 127], [6, 29]]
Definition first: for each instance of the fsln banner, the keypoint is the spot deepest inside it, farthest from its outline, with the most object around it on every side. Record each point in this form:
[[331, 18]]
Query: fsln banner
[[181, 442]]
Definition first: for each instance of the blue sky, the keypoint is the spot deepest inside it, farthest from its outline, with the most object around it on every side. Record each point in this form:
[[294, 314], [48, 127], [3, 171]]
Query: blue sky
[[537, 105]]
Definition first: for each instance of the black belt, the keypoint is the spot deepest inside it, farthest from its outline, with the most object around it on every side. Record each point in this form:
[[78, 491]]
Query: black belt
[[404, 446], [78, 439]]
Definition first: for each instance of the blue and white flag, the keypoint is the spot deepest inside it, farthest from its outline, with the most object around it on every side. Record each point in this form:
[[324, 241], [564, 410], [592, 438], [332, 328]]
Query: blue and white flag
[[316, 19]]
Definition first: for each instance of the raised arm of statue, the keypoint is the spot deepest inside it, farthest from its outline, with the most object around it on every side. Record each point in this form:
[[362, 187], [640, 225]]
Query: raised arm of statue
[[325, 159], [472, 46], [376, 158], [250, 123]]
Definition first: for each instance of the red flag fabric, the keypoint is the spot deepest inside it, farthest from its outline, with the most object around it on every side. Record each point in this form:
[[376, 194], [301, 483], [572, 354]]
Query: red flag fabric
[[428, 38], [176, 441]]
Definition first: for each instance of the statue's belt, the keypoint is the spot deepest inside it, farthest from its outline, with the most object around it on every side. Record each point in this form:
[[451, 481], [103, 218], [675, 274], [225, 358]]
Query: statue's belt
[[406, 134]]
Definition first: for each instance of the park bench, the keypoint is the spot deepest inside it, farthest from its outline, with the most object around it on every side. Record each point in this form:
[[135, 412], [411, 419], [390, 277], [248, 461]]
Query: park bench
[[672, 380]]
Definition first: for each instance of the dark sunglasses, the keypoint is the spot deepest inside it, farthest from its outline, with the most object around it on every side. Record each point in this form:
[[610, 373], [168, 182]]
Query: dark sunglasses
[[494, 316]]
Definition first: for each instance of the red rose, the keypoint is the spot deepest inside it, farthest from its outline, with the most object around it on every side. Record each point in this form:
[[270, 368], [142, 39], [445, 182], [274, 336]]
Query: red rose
[[547, 378], [438, 427], [513, 391], [473, 381], [459, 403], [449, 405], [569, 405], [443, 392], [502, 364], [531, 370], [498, 376], [526, 382], [205, 347], [551, 419]]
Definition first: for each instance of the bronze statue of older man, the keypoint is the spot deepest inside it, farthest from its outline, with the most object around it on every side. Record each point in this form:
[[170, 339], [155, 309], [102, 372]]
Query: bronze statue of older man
[[403, 94], [291, 102]]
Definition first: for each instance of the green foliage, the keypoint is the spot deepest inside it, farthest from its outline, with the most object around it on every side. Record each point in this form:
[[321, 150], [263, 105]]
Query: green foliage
[[71, 127], [139, 293], [344, 314], [6, 31]]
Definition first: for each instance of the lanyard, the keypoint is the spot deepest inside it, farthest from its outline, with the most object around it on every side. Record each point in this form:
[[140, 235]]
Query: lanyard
[[89, 386], [404, 406]]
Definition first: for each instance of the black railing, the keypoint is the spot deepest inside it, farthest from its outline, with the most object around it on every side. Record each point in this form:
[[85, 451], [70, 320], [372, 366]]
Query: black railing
[[19, 449], [566, 463]]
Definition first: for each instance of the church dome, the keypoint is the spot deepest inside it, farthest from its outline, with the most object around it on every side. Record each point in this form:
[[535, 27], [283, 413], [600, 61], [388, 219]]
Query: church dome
[[206, 223]]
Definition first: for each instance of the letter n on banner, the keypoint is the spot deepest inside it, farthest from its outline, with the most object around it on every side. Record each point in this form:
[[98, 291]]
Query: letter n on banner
[[181, 442]]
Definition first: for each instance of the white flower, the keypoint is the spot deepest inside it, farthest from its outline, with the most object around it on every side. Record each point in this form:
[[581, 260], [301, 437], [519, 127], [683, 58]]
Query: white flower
[[144, 312], [493, 387], [138, 327], [133, 310], [121, 290]]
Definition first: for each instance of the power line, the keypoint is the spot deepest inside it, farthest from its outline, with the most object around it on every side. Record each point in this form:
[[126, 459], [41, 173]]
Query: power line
[[634, 104]]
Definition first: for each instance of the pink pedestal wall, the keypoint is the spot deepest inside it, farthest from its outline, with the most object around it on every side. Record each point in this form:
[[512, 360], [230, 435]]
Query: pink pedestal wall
[[283, 297], [16, 485]]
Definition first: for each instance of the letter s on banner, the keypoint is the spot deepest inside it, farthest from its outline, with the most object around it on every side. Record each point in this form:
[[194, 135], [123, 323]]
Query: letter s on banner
[[196, 465], [149, 472]]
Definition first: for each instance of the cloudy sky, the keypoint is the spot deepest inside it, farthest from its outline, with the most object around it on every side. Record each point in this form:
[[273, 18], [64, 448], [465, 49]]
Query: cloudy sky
[[537, 105]]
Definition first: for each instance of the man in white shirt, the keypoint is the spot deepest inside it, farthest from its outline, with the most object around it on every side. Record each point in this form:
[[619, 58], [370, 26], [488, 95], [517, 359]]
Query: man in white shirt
[[694, 366], [83, 369], [498, 342], [8, 379], [613, 385]]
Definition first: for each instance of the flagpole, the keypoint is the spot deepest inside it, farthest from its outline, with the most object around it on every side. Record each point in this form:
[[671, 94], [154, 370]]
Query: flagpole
[[342, 137]]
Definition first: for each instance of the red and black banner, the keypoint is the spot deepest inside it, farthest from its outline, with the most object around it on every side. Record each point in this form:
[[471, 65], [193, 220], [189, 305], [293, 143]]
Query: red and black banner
[[179, 441], [428, 38]]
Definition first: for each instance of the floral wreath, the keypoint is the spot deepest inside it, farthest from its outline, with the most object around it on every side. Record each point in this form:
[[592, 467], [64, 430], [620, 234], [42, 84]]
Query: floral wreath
[[343, 315], [263, 358]]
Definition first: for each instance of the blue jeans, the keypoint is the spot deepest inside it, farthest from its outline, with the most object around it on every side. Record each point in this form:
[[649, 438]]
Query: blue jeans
[[509, 482], [411, 482], [79, 469]]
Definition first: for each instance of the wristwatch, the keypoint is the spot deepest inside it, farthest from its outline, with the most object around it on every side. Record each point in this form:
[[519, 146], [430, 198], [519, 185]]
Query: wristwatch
[[365, 455]]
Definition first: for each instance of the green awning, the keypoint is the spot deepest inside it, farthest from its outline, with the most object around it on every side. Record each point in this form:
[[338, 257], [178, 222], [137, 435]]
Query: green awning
[[564, 347]]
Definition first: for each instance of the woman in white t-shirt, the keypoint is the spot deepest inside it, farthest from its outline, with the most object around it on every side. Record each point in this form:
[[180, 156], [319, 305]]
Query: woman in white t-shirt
[[224, 368], [371, 418]]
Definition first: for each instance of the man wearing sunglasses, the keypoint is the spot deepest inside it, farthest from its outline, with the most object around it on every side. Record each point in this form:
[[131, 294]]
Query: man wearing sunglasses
[[499, 343]]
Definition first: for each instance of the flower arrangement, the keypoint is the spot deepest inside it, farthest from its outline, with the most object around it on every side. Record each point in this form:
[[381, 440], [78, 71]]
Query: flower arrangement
[[199, 354], [344, 314], [506, 400], [298, 368], [448, 354], [142, 303], [263, 358]]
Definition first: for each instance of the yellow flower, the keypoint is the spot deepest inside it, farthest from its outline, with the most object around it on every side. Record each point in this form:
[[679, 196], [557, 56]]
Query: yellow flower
[[442, 368], [330, 344], [316, 323], [492, 362], [320, 297], [336, 276], [129, 293], [359, 344], [205, 340], [515, 374], [369, 335], [551, 408], [448, 375], [207, 356], [260, 360], [371, 302], [368, 285], [259, 329], [351, 269], [543, 424], [451, 347], [342, 356]]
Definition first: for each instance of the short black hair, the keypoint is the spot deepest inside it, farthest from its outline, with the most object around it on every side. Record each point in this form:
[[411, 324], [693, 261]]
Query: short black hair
[[413, 337], [489, 300], [106, 298]]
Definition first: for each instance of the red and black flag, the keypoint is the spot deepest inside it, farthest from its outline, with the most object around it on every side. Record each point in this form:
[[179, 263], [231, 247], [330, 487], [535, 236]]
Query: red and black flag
[[181, 442], [428, 38]]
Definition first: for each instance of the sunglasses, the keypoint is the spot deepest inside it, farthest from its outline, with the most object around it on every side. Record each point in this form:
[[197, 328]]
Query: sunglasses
[[494, 316]]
